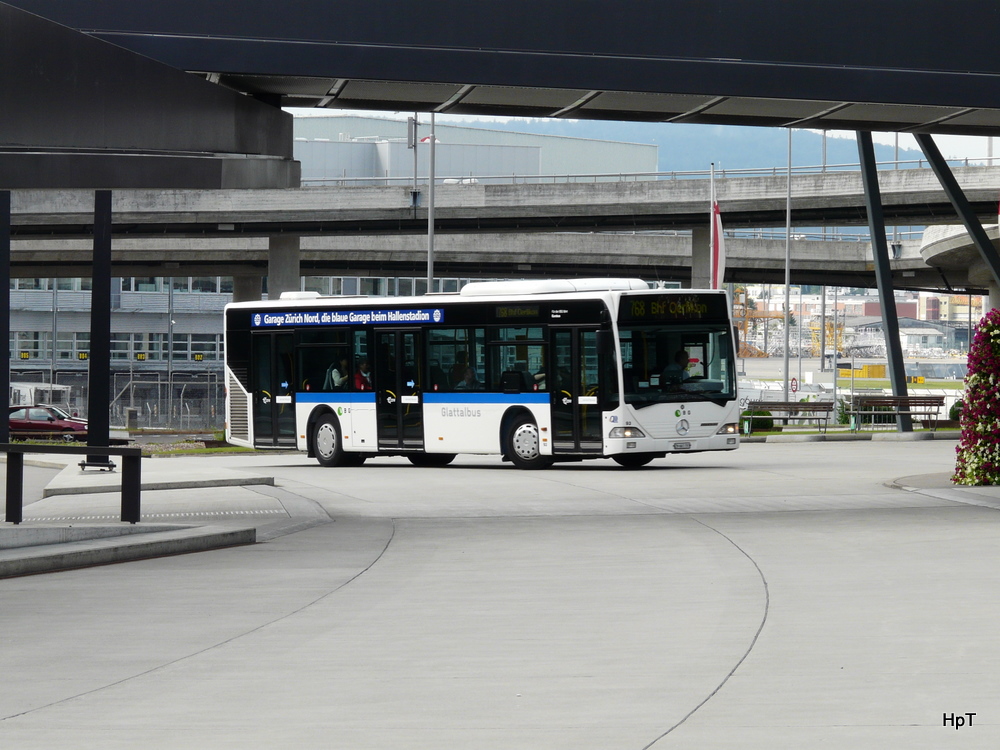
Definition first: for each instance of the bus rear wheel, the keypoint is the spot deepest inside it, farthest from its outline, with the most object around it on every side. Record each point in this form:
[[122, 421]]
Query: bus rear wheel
[[524, 445], [633, 460], [431, 459], [329, 446]]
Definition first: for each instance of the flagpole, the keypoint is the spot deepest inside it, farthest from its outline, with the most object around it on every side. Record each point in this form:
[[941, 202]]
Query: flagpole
[[713, 262], [788, 261]]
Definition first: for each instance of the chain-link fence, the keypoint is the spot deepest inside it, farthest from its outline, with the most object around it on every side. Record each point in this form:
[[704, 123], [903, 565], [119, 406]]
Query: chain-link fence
[[179, 401], [183, 402]]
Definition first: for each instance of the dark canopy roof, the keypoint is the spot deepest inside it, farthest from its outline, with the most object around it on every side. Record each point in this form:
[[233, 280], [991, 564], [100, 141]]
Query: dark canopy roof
[[932, 66]]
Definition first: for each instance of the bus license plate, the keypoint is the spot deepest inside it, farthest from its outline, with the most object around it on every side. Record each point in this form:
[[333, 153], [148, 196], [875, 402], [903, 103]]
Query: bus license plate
[[682, 446]]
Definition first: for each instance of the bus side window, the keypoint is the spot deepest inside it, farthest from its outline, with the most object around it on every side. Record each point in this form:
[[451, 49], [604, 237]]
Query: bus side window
[[439, 379], [361, 354]]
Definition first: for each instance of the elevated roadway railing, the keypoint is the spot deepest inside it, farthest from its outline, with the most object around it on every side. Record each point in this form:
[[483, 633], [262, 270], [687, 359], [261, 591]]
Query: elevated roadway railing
[[720, 173]]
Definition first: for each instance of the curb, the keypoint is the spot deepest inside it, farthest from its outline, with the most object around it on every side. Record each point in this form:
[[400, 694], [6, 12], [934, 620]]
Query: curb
[[158, 484], [27, 535], [49, 558], [843, 437]]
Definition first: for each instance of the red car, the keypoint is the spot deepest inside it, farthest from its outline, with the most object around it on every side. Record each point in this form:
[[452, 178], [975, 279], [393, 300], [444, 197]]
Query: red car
[[46, 423]]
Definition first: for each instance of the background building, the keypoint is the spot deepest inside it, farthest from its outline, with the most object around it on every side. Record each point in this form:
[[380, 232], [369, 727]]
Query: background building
[[332, 146]]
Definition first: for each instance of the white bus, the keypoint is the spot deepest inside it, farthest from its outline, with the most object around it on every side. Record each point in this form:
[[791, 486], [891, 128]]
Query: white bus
[[536, 371]]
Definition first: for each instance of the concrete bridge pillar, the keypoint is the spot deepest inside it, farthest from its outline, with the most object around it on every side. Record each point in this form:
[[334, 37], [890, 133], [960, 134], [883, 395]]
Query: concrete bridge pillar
[[247, 288], [282, 265], [701, 257], [993, 298]]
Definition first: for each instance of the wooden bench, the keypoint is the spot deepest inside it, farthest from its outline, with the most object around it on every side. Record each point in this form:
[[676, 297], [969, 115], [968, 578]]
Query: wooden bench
[[819, 411], [869, 410]]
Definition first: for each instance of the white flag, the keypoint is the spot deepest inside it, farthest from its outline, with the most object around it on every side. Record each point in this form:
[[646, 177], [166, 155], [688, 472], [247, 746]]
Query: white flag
[[718, 255]]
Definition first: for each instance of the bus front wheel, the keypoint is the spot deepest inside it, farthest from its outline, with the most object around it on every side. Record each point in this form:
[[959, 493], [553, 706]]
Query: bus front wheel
[[524, 445], [328, 444]]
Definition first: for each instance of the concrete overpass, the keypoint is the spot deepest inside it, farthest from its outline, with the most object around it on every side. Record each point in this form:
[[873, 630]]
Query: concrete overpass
[[909, 197], [530, 229], [648, 255]]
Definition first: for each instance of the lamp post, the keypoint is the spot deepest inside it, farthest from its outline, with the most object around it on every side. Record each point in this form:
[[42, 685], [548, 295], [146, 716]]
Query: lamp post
[[788, 259], [430, 212], [55, 334], [170, 350], [139, 357]]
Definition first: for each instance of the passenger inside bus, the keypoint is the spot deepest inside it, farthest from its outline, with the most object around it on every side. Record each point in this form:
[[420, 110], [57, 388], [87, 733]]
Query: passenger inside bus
[[336, 375], [362, 378], [468, 381], [461, 363]]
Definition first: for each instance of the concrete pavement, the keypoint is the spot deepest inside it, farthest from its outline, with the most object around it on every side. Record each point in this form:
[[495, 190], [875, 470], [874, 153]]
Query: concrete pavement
[[784, 595]]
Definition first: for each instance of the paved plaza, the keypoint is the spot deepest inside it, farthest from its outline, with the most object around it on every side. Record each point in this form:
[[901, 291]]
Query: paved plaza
[[785, 595]]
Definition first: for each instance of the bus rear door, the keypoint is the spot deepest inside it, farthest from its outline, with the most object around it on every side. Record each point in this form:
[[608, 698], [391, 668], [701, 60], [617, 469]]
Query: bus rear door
[[399, 409], [273, 384]]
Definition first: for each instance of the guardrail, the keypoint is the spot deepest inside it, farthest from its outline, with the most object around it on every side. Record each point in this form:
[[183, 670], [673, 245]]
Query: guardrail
[[818, 411], [131, 474], [720, 173], [897, 410]]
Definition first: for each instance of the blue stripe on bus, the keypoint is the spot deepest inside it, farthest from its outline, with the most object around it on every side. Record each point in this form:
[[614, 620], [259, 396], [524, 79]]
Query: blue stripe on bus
[[472, 397], [342, 397]]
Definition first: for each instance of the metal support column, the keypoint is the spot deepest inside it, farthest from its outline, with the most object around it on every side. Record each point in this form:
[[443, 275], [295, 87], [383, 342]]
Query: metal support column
[[99, 380], [14, 512], [5, 301], [961, 204], [883, 273]]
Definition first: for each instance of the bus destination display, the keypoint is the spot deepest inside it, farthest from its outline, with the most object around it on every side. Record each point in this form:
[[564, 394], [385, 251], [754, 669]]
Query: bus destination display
[[346, 317], [676, 308]]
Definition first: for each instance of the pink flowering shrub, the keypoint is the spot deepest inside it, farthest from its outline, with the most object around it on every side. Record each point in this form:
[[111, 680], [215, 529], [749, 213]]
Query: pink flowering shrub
[[979, 448]]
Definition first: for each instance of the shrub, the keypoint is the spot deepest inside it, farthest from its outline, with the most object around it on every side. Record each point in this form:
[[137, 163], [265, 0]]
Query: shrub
[[955, 412], [978, 449], [843, 412], [762, 419]]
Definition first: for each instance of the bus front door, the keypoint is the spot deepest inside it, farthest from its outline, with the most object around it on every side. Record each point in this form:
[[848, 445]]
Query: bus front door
[[575, 389], [273, 385], [399, 408]]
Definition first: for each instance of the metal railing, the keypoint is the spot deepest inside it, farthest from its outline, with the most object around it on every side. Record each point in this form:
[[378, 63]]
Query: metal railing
[[131, 474], [720, 172]]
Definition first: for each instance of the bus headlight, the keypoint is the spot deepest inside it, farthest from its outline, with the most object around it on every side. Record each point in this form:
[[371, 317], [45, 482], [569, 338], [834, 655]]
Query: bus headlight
[[626, 432], [728, 429]]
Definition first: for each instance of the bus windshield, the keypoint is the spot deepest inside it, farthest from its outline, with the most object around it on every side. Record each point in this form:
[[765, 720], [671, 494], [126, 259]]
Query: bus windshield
[[666, 363]]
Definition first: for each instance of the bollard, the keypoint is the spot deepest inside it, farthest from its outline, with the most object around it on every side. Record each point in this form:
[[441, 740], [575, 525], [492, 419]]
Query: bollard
[[15, 486]]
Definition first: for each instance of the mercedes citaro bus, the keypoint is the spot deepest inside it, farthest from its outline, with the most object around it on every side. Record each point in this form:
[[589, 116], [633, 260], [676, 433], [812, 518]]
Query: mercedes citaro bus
[[534, 371]]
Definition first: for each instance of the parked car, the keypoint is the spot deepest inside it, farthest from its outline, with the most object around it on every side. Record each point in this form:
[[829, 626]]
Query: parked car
[[45, 422]]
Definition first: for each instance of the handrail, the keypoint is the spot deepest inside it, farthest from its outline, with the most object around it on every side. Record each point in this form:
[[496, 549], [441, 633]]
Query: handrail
[[585, 177], [131, 474]]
